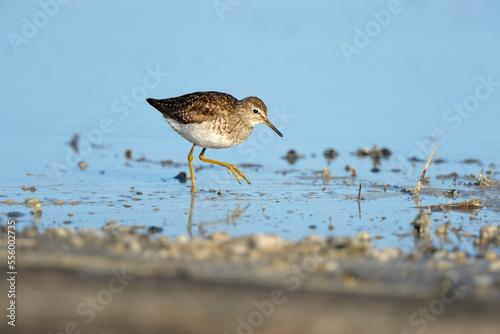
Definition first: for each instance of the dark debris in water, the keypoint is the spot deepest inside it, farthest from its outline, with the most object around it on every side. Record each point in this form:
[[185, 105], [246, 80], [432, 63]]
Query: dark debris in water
[[292, 157], [374, 152], [15, 214], [74, 142], [453, 176], [128, 154], [417, 159], [451, 193], [330, 154], [182, 177], [421, 224], [155, 229], [472, 161], [143, 159], [32, 189]]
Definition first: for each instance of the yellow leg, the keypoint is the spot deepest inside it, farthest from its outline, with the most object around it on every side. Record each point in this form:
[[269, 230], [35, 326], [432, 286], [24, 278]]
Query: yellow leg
[[190, 160], [230, 167]]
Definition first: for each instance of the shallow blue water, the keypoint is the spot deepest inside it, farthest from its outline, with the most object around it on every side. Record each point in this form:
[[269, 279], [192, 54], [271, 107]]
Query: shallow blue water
[[413, 75]]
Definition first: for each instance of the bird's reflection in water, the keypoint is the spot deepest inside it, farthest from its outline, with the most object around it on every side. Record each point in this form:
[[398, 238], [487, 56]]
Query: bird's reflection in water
[[190, 218], [231, 217]]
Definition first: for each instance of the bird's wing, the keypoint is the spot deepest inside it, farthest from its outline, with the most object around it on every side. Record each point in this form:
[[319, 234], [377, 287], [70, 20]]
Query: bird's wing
[[194, 107]]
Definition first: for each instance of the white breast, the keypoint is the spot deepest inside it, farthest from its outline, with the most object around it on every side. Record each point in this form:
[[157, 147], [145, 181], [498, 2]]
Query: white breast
[[204, 134]]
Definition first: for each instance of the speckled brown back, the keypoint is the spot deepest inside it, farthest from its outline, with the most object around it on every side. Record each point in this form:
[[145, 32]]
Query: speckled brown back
[[195, 107]]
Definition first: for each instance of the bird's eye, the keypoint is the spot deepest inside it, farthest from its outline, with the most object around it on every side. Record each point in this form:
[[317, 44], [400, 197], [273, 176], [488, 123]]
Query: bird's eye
[[256, 111]]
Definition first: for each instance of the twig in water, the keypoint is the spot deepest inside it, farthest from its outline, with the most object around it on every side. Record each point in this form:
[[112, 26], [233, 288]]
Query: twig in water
[[422, 177]]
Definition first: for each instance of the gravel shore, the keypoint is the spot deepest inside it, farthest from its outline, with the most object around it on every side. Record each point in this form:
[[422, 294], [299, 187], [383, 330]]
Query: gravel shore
[[255, 283]]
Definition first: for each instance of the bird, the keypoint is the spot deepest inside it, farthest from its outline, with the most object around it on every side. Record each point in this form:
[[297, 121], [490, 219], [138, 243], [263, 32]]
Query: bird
[[213, 120]]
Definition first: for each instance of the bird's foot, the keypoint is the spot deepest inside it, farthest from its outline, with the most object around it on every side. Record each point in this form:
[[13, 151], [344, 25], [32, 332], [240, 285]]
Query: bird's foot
[[237, 173]]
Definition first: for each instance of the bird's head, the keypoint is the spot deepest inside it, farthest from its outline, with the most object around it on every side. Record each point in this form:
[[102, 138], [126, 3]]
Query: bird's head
[[255, 112]]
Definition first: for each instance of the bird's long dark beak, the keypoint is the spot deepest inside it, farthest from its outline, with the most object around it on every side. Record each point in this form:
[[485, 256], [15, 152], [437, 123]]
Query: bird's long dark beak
[[269, 124]]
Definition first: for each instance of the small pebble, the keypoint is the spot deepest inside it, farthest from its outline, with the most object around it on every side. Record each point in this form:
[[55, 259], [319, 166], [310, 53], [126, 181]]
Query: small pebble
[[163, 253], [488, 233], [132, 244], [457, 256], [238, 249], [77, 242], [363, 236], [440, 254], [31, 201], [182, 239], [92, 234], [61, 232], [82, 165], [31, 232], [70, 230], [109, 226], [482, 280], [200, 253], [389, 254], [331, 266], [315, 238], [443, 265], [219, 236], [490, 256], [266, 242], [494, 266], [163, 240], [37, 211]]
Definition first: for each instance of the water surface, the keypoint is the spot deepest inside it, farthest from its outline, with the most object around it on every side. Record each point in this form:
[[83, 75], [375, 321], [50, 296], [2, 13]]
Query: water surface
[[430, 74]]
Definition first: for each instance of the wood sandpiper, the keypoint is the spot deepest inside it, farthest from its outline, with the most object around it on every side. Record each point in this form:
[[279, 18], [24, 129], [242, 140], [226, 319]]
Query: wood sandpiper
[[213, 120]]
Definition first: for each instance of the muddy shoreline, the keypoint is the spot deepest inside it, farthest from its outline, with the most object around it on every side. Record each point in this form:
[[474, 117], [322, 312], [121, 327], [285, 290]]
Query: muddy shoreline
[[151, 283]]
